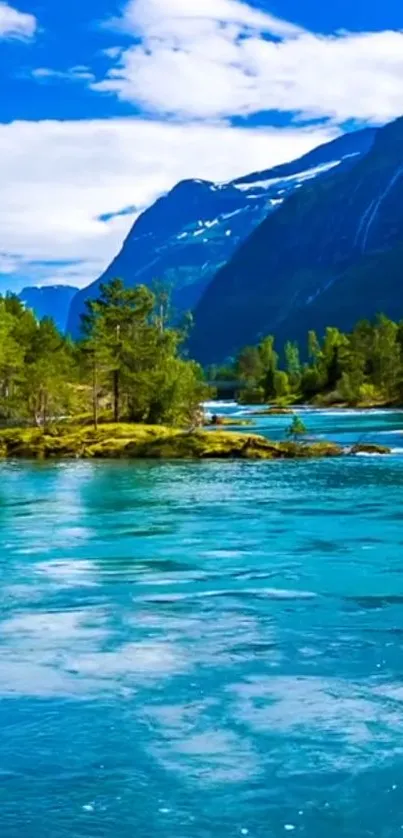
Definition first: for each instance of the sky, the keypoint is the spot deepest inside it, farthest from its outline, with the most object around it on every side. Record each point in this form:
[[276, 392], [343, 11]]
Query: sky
[[106, 104]]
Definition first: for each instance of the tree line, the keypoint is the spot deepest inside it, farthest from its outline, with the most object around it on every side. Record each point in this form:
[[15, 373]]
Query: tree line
[[127, 365], [130, 364], [364, 366]]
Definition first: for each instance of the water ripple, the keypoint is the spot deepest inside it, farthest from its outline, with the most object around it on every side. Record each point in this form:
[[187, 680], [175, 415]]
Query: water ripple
[[193, 650]]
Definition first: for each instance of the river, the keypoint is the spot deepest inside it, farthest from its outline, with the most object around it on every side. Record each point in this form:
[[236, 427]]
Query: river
[[205, 650]]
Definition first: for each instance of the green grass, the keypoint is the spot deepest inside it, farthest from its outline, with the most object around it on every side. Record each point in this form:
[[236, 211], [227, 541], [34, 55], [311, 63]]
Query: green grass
[[144, 441]]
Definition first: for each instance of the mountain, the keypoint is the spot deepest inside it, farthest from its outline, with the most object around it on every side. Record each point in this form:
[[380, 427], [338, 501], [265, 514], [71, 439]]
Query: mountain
[[331, 254], [187, 235], [50, 301]]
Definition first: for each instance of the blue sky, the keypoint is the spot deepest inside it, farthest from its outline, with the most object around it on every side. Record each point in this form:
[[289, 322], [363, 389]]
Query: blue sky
[[106, 104]]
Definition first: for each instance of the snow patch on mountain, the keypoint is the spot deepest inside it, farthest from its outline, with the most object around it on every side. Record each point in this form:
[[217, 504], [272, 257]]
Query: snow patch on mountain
[[185, 238], [300, 177]]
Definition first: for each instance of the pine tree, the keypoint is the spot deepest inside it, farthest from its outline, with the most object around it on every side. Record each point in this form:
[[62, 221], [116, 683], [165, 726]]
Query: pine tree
[[11, 363], [132, 347], [386, 356], [48, 370], [269, 361], [297, 429], [249, 367], [314, 349], [293, 364]]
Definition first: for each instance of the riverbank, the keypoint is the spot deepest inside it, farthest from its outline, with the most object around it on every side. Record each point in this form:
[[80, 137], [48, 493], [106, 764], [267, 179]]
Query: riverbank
[[148, 441]]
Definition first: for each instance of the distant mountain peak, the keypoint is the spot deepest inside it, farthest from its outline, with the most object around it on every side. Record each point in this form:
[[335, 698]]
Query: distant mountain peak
[[188, 234], [320, 260], [49, 301]]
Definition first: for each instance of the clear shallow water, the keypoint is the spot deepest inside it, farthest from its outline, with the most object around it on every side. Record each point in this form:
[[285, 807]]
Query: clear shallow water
[[203, 650], [343, 426]]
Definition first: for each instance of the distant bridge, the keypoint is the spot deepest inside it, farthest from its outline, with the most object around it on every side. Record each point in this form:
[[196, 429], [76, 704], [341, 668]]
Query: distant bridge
[[227, 388]]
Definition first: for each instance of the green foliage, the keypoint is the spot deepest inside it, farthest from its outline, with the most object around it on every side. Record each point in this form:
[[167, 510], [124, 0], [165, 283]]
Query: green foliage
[[333, 356], [386, 356], [314, 350], [47, 386], [136, 357], [129, 363], [269, 361], [248, 366], [363, 367], [297, 429], [225, 372], [155, 441], [252, 395], [281, 383], [293, 365], [311, 382], [256, 366], [35, 366], [370, 395]]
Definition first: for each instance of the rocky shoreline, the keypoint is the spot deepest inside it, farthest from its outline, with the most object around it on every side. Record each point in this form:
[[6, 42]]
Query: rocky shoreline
[[157, 442]]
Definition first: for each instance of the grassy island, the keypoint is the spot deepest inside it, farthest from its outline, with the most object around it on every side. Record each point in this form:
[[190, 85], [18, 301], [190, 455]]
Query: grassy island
[[130, 441]]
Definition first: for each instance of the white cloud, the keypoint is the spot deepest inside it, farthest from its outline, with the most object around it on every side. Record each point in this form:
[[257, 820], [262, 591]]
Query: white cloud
[[79, 73], [113, 52], [9, 264], [212, 59], [15, 24], [59, 177], [168, 18]]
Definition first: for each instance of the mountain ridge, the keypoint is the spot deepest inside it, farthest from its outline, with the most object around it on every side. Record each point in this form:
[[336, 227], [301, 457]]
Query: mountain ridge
[[283, 274], [186, 236]]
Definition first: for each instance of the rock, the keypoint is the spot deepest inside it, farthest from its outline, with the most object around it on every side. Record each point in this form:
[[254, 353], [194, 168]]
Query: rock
[[370, 448], [227, 422], [312, 450], [274, 411]]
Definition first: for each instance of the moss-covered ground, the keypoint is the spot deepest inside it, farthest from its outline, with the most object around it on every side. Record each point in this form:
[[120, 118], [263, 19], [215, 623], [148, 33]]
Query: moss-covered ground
[[143, 441]]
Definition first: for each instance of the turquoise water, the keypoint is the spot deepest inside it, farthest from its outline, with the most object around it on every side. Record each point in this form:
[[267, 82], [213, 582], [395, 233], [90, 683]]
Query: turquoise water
[[198, 650]]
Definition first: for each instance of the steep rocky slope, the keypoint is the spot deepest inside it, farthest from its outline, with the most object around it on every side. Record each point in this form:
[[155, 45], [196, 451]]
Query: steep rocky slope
[[186, 236], [330, 255], [49, 301]]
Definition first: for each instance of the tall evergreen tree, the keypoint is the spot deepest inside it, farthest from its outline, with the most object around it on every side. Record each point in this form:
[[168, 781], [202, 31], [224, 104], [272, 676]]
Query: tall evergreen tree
[[269, 360], [128, 338], [293, 364], [48, 373], [386, 356]]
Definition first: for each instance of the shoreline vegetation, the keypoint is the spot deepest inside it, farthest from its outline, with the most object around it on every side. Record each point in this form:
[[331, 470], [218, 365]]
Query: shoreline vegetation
[[361, 369], [127, 389], [129, 441], [128, 362]]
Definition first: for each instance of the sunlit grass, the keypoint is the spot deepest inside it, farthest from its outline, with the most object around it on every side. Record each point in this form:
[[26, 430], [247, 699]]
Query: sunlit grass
[[142, 441]]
